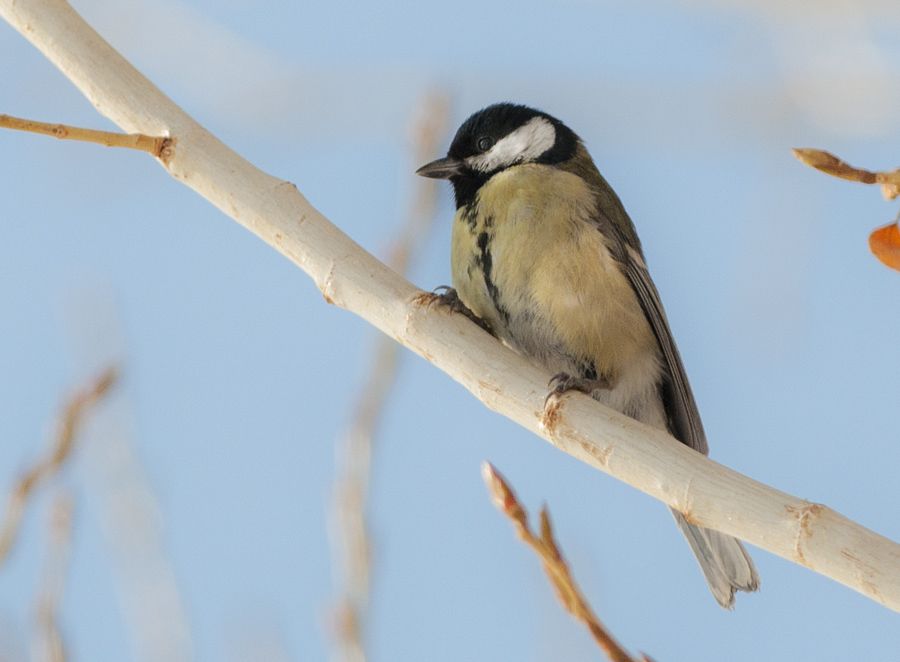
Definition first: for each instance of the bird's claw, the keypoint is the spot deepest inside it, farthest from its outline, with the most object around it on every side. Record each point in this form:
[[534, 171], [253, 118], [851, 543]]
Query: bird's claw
[[563, 382], [446, 297], [442, 295]]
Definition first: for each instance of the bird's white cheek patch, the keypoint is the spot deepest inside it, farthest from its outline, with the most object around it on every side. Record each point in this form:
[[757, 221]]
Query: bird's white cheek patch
[[526, 143]]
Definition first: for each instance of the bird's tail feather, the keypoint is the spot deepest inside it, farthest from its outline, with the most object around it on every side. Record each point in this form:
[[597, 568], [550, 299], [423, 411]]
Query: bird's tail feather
[[725, 563]]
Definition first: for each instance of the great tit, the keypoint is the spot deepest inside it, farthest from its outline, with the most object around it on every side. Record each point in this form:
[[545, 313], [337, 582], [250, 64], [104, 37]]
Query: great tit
[[545, 256]]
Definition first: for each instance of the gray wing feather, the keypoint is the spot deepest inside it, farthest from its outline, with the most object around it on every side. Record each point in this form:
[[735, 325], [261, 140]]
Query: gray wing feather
[[613, 222], [724, 561], [679, 400]]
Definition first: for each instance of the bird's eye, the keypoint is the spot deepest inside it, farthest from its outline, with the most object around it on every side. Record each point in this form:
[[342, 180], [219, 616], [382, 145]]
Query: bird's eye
[[485, 143]]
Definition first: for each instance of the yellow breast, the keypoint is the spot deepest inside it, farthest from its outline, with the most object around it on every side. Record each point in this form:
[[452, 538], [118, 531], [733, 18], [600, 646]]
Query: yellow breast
[[554, 280]]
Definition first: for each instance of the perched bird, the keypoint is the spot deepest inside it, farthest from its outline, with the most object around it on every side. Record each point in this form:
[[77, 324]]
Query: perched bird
[[545, 256]]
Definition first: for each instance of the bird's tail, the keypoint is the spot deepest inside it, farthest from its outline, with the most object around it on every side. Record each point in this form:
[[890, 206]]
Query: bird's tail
[[725, 563]]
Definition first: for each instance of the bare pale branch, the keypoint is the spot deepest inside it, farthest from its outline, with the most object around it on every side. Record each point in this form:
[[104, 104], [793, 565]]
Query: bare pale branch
[[709, 494], [545, 546], [63, 443]]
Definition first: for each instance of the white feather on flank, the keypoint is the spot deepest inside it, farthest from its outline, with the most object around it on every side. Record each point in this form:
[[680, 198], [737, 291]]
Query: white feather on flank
[[524, 144]]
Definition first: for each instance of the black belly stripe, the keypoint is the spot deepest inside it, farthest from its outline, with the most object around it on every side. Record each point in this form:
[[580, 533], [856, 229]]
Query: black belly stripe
[[470, 215], [486, 263]]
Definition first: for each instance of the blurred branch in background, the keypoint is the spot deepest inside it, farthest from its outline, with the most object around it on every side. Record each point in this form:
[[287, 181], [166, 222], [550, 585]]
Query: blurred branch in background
[[69, 426], [119, 494], [555, 565], [49, 645], [130, 519], [132, 527], [885, 241], [350, 536]]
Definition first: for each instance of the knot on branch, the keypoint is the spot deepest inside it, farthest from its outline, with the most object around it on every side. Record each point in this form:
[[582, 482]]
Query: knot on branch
[[164, 149], [806, 516]]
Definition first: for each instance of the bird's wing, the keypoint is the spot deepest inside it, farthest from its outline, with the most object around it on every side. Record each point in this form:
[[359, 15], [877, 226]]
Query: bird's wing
[[677, 396], [613, 222]]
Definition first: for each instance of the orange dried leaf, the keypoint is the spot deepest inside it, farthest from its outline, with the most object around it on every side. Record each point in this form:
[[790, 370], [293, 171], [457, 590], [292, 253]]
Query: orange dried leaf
[[885, 244]]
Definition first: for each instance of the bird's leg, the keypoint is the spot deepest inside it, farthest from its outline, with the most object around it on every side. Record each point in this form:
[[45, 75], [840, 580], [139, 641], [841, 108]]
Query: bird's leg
[[446, 297], [563, 382]]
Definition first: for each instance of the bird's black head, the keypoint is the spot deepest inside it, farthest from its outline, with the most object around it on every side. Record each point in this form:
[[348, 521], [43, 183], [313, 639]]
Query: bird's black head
[[496, 138]]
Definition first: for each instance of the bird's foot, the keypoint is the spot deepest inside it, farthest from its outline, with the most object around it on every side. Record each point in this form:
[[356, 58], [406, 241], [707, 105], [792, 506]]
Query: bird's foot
[[563, 382], [446, 297]]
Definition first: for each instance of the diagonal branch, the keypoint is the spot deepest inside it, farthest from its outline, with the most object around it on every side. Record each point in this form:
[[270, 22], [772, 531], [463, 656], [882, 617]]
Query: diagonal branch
[[546, 547], [707, 493]]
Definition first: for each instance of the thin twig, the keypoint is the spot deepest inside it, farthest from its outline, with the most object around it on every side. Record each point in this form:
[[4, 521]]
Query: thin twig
[[832, 165], [884, 242], [54, 460], [352, 541], [49, 642], [153, 145], [555, 565]]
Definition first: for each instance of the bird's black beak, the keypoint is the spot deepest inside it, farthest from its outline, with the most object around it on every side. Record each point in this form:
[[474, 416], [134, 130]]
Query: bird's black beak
[[441, 169]]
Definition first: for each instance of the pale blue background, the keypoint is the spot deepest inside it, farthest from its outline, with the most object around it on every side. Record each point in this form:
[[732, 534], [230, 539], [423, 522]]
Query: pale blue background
[[239, 377]]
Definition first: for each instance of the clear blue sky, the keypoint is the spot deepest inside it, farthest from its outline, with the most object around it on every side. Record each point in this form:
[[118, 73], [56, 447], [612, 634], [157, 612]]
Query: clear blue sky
[[238, 377]]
